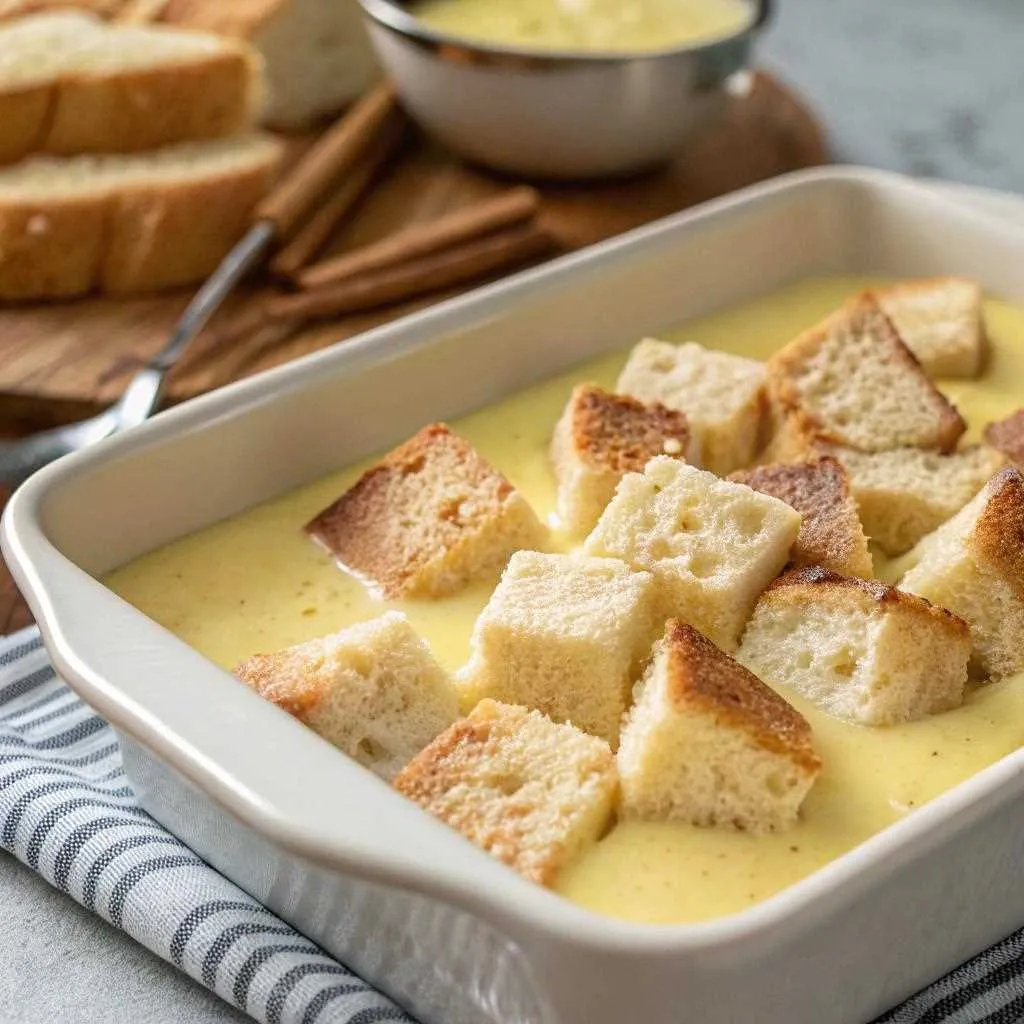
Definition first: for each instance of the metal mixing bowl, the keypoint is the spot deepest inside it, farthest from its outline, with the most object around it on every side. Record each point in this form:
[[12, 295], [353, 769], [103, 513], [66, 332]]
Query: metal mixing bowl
[[558, 114]]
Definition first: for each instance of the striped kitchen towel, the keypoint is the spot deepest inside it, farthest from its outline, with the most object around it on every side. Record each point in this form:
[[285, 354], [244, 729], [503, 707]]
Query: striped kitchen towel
[[67, 811]]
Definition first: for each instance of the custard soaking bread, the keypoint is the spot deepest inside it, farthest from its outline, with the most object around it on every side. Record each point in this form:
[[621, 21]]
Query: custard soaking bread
[[373, 690], [531, 793], [708, 743]]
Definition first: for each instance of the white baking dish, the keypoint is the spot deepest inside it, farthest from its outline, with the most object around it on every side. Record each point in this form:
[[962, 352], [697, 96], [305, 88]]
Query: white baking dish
[[439, 925]]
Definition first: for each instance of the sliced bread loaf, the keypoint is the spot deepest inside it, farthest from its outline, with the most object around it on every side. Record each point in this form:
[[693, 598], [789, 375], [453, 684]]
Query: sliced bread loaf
[[708, 743], [126, 224], [531, 793], [373, 690], [940, 320], [852, 381], [429, 518], [858, 649], [565, 635], [831, 534], [601, 437], [72, 84], [722, 395], [974, 565]]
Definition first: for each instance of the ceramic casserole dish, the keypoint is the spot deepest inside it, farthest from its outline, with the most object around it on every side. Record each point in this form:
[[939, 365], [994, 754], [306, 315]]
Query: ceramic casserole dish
[[445, 930]]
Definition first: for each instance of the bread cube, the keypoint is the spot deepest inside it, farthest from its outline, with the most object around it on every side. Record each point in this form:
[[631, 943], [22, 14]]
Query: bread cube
[[532, 793], [852, 381], [1007, 436], [940, 321], [430, 517], [601, 437], [722, 395], [857, 648], [831, 534], [708, 743], [565, 635], [974, 565], [904, 494], [373, 690], [712, 546]]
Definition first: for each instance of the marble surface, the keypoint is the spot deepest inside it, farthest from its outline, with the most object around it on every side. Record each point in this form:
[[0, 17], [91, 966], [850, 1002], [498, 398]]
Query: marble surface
[[928, 87]]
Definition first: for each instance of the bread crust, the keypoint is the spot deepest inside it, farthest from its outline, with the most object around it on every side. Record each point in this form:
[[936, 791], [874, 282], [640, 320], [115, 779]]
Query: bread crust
[[1007, 435], [702, 676], [831, 534], [998, 536]]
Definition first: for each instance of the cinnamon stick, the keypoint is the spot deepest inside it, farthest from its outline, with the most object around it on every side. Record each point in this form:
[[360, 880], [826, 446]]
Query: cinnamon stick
[[490, 215], [314, 235], [338, 149], [408, 280]]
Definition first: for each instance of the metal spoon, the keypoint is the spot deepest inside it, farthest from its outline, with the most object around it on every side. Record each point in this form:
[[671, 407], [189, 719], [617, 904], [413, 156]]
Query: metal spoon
[[276, 217]]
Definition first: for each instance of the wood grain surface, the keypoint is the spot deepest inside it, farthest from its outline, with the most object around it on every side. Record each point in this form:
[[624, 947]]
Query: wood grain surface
[[61, 361]]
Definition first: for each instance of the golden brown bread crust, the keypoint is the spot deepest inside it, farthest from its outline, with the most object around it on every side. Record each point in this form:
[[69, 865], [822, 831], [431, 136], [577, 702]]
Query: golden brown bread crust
[[289, 678], [831, 534], [622, 434], [20, 8], [864, 315], [998, 536], [239, 18], [703, 677], [1007, 435], [813, 583], [422, 499], [23, 113]]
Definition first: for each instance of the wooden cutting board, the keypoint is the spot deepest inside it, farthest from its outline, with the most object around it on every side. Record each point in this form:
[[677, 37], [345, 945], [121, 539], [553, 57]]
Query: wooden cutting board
[[61, 360]]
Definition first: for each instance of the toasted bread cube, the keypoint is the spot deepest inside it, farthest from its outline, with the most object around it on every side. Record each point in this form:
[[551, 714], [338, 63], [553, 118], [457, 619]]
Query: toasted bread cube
[[1007, 436], [857, 648], [940, 321], [532, 793], [711, 545], [852, 381], [601, 437], [373, 690], [831, 534], [564, 635], [904, 494], [722, 395], [974, 565], [708, 743], [430, 517]]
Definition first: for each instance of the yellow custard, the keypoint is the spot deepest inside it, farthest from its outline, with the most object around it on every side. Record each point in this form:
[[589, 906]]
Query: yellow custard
[[255, 583], [610, 26]]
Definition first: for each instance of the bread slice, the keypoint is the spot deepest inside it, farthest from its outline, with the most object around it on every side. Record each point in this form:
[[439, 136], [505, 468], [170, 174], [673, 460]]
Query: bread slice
[[722, 395], [72, 84], [565, 635], [831, 534], [974, 565], [127, 224], [374, 691], [430, 517], [601, 437], [712, 546], [852, 381], [532, 793], [1007, 436], [940, 320], [708, 743], [904, 494], [858, 649], [317, 54]]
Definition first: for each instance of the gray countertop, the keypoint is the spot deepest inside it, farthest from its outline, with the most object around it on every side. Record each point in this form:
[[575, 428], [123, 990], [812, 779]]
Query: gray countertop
[[929, 87]]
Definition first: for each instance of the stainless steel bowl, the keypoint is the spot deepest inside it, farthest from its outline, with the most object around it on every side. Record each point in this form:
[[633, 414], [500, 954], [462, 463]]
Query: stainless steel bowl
[[558, 114]]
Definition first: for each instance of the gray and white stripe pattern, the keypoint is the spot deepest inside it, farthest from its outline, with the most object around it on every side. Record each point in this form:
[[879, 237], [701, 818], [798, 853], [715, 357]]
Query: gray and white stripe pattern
[[67, 811]]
